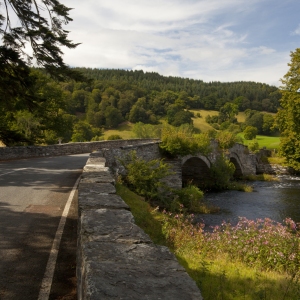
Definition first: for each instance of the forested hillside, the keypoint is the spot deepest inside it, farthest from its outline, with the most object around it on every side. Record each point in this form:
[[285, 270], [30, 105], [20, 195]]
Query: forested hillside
[[80, 111], [211, 95]]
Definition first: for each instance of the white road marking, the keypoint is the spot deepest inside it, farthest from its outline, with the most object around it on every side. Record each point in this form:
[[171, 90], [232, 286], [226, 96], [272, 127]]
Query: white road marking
[[48, 276], [13, 171]]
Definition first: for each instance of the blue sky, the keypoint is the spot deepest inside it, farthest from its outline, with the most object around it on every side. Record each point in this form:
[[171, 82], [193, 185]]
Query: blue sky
[[211, 40]]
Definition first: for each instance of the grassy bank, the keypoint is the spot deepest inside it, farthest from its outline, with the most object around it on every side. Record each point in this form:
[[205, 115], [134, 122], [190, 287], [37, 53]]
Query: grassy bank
[[218, 275]]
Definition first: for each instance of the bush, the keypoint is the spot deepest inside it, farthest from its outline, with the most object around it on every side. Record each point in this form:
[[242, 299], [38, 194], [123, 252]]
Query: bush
[[114, 137], [226, 139], [189, 198], [221, 172], [181, 141], [250, 132], [145, 177], [253, 146], [178, 141]]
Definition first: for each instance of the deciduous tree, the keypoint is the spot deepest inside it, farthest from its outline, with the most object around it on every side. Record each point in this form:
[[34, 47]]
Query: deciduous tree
[[288, 118]]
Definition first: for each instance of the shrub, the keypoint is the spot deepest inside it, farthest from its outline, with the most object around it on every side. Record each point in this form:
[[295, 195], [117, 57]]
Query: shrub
[[178, 141], [253, 146], [226, 139], [190, 198], [250, 132], [114, 137], [145, 177], [181, 141], [221, 172]]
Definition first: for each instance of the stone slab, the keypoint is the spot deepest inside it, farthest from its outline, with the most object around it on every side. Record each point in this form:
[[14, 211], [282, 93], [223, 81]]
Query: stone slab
[[115, 271], [86, 188], [96, 160], [111, 225], [96, 201], [95, 168], [97, 177]]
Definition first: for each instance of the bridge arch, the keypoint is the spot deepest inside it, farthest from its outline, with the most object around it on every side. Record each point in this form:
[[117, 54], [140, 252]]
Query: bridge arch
[[234, 158], [195, 170]]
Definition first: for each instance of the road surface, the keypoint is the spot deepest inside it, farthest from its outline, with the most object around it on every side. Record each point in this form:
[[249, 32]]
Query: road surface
[[33, 194]]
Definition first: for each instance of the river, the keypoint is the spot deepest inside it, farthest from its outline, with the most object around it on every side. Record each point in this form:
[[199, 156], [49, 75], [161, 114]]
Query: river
[[276, 200]]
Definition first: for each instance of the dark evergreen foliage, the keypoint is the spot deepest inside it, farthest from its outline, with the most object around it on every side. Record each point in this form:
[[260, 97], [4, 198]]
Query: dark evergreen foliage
[[41, 26], [211, 95]]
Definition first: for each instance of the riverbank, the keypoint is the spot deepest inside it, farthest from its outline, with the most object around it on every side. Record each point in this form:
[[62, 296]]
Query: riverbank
[[218, 276], [276, 200]]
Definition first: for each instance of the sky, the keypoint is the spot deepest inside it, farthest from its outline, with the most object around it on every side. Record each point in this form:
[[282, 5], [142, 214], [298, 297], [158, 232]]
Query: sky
[[211, 40]]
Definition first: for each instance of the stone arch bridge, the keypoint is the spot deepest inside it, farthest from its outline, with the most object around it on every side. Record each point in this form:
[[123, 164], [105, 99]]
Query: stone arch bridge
[[188, 168]]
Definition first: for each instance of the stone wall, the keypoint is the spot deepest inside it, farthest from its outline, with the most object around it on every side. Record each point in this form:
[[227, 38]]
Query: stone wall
[[115, 258], [148, 150], [7, 153]]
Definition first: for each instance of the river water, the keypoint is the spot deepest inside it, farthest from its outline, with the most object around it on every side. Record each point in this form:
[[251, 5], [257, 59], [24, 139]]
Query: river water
[[276, 200]]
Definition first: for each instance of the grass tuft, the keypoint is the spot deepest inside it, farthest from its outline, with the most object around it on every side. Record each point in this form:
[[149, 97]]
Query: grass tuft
[[239, 186], [260, 177]]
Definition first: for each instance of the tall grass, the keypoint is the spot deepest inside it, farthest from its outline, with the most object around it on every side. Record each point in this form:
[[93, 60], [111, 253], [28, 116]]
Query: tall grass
[[252, 260]]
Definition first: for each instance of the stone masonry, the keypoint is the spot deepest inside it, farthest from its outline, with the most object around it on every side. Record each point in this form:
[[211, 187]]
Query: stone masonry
[[116, 259], [7, 153]]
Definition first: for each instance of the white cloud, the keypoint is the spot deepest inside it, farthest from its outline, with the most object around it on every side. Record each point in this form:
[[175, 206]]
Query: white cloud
[[189, 39]]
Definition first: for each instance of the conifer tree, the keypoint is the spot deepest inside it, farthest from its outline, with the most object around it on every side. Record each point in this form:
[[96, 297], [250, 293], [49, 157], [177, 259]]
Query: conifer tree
[[41, 26]]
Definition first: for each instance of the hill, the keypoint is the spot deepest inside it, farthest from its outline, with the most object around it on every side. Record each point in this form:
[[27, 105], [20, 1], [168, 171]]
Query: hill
[[207, 95]]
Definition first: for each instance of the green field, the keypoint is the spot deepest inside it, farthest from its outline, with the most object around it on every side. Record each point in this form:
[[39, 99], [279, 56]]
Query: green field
[[270, 142], [200, 123]]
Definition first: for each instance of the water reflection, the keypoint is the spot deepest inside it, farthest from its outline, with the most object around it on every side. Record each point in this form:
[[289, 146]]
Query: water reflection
[[274, 200]]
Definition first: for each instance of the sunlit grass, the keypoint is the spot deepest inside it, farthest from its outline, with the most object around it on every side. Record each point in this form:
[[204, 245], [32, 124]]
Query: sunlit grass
[[201, 124], [241, 117], [240, 186], [218, 277], [270, 142], [124, 130]]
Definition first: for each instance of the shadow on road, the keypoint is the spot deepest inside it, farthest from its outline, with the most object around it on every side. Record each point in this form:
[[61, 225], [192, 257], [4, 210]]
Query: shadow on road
[[25, 242]]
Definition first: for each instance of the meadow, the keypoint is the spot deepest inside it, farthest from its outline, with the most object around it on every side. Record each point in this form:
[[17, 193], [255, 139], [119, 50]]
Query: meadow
[[270, 142]]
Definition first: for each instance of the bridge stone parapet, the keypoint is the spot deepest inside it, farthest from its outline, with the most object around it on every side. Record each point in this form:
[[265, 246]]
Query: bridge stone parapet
[[7, 153], [115, 258], [115, 155]]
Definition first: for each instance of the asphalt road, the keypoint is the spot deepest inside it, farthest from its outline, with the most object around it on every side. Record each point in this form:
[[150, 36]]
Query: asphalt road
[[33, 194]]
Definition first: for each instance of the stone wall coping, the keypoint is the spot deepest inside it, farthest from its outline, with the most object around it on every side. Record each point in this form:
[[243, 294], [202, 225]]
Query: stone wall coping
[[115, 258]]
